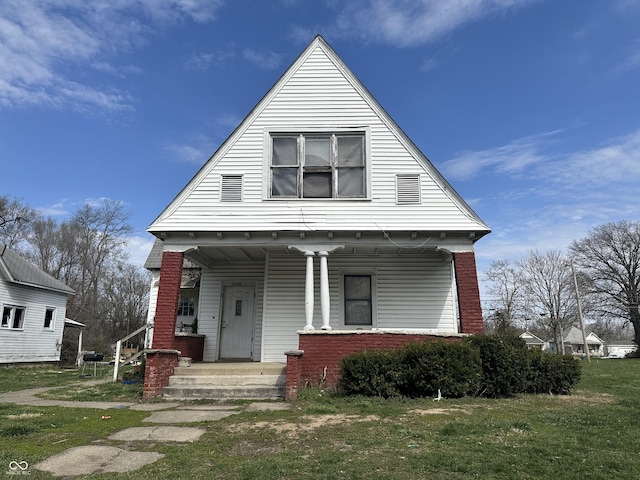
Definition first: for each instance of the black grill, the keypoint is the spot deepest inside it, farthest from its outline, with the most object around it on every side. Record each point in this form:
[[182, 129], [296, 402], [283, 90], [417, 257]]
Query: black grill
[[92, 357]]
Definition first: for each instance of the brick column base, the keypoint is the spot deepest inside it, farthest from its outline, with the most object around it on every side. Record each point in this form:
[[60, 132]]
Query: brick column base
[[294, 372], [160, 365]]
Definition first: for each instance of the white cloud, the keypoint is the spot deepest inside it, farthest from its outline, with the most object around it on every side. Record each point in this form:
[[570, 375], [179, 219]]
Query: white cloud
[[413, 22], [205, 60], [631, 62], [139, 247], [266, 60], [41, 42], [512, 158]]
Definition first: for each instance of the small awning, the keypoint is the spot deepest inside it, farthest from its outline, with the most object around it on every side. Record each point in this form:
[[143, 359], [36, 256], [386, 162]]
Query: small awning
[[72, 323]]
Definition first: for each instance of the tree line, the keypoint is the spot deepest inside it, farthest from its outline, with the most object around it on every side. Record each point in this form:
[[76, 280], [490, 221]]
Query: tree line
[[538, 292], [86, 251]]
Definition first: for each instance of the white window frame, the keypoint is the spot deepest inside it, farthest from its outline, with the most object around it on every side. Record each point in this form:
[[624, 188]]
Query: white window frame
[[188, 303], [52, 323], [310, 132], [12, 315], [374, 299]]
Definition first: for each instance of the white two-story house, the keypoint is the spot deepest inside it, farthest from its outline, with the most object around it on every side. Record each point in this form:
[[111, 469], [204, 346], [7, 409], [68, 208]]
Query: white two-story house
[[318, 218]]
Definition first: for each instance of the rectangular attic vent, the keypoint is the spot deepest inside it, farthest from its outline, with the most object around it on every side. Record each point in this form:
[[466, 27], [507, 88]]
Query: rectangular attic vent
[[407, 189], [231, 188]]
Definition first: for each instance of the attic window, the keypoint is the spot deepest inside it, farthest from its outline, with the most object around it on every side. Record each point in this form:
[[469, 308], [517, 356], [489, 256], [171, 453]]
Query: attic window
[[407, 189], [321, 165], [231, 188]]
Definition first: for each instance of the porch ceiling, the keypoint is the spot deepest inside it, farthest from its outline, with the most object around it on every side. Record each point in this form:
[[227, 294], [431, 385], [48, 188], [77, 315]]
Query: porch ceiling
[[208, 255]]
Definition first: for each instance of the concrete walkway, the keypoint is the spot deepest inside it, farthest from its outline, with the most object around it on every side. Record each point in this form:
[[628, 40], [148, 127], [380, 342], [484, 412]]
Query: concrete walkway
[[102, 459]]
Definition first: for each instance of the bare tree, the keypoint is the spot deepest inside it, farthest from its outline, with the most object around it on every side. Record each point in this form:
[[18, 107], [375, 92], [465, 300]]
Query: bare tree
[[14, 221], [506, 293], [549, 292], [609, 256]]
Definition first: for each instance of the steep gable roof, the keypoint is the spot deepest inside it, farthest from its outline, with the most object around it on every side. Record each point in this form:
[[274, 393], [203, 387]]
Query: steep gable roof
[[20, 271], [341, 74]]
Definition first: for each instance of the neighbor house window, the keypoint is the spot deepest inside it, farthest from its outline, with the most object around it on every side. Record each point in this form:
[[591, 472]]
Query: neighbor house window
[[48, 318], [12, 317], [185, 307], [357, 300], [318, 166]]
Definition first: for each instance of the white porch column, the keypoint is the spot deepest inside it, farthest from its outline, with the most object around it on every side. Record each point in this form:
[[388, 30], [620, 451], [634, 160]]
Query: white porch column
[[325, 300], [308, 292]]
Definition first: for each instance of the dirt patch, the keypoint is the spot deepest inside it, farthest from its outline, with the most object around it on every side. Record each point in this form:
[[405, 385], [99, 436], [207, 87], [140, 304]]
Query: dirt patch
[[589, 398], [23, 415], [308, 424], [440, 411]]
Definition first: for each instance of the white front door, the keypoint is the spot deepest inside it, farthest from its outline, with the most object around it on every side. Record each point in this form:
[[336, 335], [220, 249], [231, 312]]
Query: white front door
[[236, 328]]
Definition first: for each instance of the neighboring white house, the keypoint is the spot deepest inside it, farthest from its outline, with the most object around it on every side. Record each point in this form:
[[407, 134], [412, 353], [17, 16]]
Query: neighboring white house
[[317, 214], [574, 343], [618, 349], [33, 311], [533, 341]]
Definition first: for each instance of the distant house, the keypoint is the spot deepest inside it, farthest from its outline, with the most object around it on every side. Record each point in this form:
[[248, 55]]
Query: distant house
[[33, 311], [574, 343], [617, 348], [533, 341], [318, 228]]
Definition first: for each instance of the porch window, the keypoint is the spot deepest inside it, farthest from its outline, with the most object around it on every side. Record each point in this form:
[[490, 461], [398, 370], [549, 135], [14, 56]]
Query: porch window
[[357, 300], [318, 165], [12, 317], [185, 307], [48, 318]]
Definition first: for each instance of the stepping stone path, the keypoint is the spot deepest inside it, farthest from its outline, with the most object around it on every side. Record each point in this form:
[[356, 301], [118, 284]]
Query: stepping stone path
[[93, 459]]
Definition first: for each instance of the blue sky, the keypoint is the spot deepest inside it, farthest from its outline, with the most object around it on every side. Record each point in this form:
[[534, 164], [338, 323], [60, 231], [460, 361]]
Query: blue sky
[[530, 108]]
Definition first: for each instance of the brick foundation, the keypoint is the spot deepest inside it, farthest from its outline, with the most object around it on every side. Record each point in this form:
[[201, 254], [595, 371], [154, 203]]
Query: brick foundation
[[160, 365], [318, 362], [468, 293]]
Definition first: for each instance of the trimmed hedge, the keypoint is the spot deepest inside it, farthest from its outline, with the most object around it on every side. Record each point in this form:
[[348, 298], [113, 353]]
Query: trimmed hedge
[[504, 364], [426, 367], [484, 365]]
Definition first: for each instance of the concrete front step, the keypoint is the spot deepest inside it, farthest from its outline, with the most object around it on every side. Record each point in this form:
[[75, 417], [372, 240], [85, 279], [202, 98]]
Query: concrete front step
[[254, 392], [247, 380], [227, 380]]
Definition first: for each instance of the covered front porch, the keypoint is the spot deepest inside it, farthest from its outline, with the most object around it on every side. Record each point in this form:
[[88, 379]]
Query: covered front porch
[[258, 292]]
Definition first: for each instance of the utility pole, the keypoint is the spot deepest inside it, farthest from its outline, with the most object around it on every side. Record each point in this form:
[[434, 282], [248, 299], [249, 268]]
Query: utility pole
[[584, 334]]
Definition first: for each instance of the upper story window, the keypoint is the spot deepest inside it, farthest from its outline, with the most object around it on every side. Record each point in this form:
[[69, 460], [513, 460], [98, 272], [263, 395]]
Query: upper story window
[[48, 318], [12, 317], [322, 165]]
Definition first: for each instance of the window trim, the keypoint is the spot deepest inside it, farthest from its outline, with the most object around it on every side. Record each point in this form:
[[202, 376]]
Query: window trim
[[372, 273], [188, 304], [311, 131], [11, 319]]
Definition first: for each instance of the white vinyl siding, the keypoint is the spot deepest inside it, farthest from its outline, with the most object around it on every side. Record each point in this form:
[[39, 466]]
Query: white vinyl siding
[[411, 292], [32, 342], [315, 97]]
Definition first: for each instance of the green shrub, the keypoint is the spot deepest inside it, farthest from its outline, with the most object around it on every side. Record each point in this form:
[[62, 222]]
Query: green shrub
[[371, 373], [505, 364], [548, 373], [452, 368], [485, 365]]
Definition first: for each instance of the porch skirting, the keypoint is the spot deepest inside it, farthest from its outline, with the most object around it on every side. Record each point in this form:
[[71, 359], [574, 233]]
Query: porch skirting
[[316, 363]]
